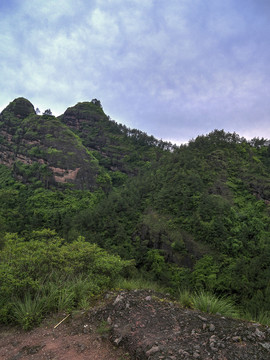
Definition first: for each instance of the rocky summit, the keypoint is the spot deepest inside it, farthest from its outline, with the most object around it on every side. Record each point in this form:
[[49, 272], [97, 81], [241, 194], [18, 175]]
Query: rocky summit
[[43, 148]]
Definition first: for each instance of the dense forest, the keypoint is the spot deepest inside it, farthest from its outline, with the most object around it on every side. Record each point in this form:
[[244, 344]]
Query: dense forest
[[85, 201]]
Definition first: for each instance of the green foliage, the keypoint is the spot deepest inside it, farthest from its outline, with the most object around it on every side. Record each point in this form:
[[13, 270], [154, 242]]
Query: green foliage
[[53, 151], [104, 328], [263, 317], [6, 178], [28, 312], [212, 304], [155, 263], [185, 298], [136, 283], [204, 275], [31, 272]]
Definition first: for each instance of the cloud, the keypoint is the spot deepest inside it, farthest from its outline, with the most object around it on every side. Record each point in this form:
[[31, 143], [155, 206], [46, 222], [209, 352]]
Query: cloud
[[174, 69]]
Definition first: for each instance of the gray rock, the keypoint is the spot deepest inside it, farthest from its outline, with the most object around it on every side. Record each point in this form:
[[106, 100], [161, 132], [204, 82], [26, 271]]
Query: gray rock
[[265, 345], [118, 299], [259, 334]]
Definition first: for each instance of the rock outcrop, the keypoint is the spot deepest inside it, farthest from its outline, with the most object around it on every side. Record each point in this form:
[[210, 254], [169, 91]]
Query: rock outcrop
[[151, 326]]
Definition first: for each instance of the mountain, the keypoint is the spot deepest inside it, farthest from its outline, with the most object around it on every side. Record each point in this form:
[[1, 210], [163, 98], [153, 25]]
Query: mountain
[[83, 147], [193, 217]]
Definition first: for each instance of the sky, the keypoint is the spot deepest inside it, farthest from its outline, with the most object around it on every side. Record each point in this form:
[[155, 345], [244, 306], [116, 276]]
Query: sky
[[175, 69]]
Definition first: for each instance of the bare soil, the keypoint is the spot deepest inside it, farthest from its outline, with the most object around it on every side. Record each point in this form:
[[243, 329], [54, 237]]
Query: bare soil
[[74, 339], [139, 325]]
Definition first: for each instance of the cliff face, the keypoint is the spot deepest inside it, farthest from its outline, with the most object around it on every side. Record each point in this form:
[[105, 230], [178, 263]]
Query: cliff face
[[41, 148]]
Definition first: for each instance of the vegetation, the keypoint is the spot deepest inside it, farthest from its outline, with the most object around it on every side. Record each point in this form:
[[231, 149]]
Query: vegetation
[[43, 273], [140, 212]]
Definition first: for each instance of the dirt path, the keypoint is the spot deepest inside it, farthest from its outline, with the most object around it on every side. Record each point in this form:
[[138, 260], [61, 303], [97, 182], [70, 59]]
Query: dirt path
[[72, 340]]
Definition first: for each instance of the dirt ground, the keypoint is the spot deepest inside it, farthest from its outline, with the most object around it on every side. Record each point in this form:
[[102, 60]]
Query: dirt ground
[[139, 325], [74, 339]]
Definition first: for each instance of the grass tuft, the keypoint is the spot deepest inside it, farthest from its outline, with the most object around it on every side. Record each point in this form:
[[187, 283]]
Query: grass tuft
[[185, 298], [212, 304], [262, 317], [29, 311], [138, 284]]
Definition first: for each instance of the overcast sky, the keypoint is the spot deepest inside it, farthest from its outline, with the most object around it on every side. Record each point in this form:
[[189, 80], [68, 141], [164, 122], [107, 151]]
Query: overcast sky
[[173, 68]]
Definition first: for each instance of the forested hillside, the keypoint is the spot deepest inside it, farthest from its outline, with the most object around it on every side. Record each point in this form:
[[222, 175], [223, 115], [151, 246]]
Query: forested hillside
[[85, 200]]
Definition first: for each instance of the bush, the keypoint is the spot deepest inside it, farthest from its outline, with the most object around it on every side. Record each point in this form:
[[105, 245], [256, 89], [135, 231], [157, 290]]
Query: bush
[[42, 273]]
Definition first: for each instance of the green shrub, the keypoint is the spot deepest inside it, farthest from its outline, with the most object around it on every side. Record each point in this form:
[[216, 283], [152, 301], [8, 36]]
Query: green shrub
[[42, 274]]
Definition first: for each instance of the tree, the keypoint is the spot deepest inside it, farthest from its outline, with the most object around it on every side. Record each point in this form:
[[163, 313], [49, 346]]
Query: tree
[[96, 102], [47, 112], [37, 111]]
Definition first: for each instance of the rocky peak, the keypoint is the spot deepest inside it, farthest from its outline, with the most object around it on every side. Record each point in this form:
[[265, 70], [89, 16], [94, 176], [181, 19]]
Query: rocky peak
[[42, 148], [20, 107], [83, 112]]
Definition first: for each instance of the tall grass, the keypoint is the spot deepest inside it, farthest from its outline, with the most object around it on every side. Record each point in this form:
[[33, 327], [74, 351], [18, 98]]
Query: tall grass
[[213, 304], [65, 294], [263, 317], [29, 311], [185, 298]]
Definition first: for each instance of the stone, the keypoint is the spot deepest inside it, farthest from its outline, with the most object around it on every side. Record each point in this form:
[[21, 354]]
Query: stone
[[153, 350], [259, 334], [236, 339], [117, 341], [118, 299], [265, 345]]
